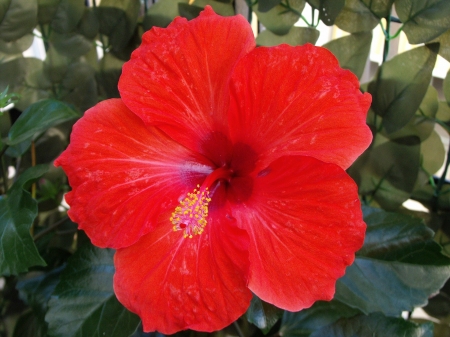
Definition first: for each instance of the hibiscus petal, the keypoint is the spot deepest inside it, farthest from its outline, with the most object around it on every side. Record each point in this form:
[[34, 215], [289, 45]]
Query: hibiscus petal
[[305, 224], [298, 102], [178, 78], [175, 284], [123, 174]]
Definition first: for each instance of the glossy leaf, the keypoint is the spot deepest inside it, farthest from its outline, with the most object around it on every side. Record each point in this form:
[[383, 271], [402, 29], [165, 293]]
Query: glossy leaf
[[266, 5], [401, 84], [321, 314], [355, 17], [20, 19], [262, 314], [329, 10], [17, 213], [375, 325], [295, 37], [381, 8], [352, 51], [400, 252], [83, 303], [38, 118], [423, 20], [280, 19]]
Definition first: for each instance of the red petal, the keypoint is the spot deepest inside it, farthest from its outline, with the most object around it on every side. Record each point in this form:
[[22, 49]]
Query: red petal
[[305, 224], [178, 78], [123, 174], [175, 284], [297, 101]]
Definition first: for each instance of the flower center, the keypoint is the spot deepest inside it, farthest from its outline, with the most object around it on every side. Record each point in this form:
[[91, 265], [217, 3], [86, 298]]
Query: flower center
[[192, 213]]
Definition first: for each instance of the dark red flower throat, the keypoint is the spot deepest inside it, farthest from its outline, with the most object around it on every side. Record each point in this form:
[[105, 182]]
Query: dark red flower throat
[[229, 180]]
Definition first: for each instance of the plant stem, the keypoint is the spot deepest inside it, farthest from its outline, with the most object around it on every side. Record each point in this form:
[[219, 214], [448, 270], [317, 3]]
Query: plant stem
[[50, 228], [441, 181], [387, 39], [238, 329]]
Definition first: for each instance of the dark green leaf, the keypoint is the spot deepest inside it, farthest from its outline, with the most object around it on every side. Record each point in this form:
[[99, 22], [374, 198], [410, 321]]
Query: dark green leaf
[[352, 51], [355, 17], [189, 11], [30, 325], [295, 37], [221, 8], [79, 87], [89, 25], [389, 286], [118, 20], [279, 19], [381, 8], [47, 10], [422, 123], [321, 314], [84, 303], [108, 75], [67, 16], [266, 5], [17, 213], [401, 85], [162, 13], [72, 45], [20, 19], [262, 314], [375, 325], [329, 10], [423, 20], [39, 117]]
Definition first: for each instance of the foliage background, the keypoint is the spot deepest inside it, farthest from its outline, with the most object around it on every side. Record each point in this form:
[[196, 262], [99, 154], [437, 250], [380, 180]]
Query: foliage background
[[55, 283]]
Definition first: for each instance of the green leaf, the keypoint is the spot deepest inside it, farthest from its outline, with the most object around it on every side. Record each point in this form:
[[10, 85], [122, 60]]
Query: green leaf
[[280, 19], [30, 325], [20, 19], [381, 8], [189, 11], [389, 181], [422, 123], [432, 152], [68, 15], [162, 13], [39, 117], [84, 303], [295, 37], [72, 45], [444, 42], [262, 314], [352, 51], [47, 10], [221, 8], [423, 20], [266, 5], [329, 10], [375, 325], [17, 213], [446, 87], [118, 20], [108, 75], [18, 46], [398, 268], [401, 86], [321, 314], [355, 17]]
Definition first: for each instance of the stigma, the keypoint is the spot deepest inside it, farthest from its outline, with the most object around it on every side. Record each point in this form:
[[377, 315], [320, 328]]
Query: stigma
[[192, 213]]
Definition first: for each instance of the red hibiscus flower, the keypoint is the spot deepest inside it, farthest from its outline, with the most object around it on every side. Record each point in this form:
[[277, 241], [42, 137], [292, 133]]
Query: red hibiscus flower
[[220, 172]]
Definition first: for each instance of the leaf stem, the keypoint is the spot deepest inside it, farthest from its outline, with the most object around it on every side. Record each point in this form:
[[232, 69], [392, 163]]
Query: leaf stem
[[238, 329], [50, 228]]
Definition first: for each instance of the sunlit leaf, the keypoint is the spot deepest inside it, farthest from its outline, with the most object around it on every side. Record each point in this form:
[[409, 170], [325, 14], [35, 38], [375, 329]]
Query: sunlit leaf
[[355, 17], [83, 303], [423, 20], [20, 19], [352, 51], [262, 314], [17, 213], [38, 118], [295, 37], [401, 84], [375, 325], [280, 19]]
